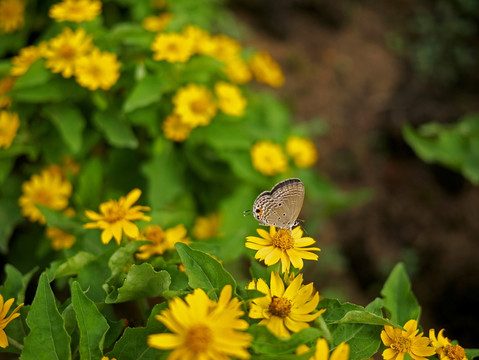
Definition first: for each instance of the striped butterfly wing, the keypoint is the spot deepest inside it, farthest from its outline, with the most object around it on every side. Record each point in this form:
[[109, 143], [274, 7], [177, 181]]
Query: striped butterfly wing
[[288, 196]]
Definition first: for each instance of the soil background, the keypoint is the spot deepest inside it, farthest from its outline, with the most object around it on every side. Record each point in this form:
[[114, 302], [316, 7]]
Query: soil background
[[338, 66]]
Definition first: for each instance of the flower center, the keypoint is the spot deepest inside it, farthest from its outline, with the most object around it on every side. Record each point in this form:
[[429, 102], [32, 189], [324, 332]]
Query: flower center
[[67, 52], [198, 106], [455, 352], [157, 235], [280, 307], [43, 197], [402, 344], [95, 71], [199, 338], [114, 213], [283, 239]]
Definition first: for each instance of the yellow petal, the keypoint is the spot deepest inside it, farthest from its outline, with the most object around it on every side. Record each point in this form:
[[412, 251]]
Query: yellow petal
[[322, 350], [164, 341], [341, 352], [277, 285]]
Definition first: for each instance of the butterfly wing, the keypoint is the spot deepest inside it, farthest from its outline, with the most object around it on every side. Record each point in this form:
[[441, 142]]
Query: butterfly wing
[[289, 197]]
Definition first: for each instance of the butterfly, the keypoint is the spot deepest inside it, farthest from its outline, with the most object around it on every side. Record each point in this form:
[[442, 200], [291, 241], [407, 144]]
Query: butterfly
[[281, 206]]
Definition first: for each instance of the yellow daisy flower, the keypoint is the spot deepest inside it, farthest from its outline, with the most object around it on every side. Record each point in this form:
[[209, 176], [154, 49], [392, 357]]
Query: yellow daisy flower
[[11, 15], [201, 39], [322, 351], [116, 217], [65, 49], [224, 48], [400, 342], [175, 128], [195, 104], [230, 99], [302, 150], [4, 319], [202, 328], [162, 240], [172, 47], [75, 10], [444, 348], [26, 57], [206, 227], [156, 23], [266, 70], [268, 158], [6, 84], [59, 238], [284, 310], [9, 125], [97, 70], [237, 70], [286, 245], [107, 358], [47, 189]]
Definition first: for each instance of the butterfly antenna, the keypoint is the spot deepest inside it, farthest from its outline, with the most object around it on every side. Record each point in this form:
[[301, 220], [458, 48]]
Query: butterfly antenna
[[247, 212]]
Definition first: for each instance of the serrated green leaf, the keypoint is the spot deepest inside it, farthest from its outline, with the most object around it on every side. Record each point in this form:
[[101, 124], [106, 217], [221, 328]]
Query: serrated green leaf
[[364, 317], [141, 281], [146, 92], [69, 122], [203, 271], [115, 129], [93, 326], [399, 300], [74, 264], [48, 338]]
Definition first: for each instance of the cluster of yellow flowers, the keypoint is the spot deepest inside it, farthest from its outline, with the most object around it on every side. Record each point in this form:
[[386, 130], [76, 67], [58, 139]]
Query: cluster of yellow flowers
[[269, 158]]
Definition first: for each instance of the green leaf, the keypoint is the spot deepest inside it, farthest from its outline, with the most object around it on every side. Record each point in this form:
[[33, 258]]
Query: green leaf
[[116, 130], [10, 216], [74, 264], [60, 220], [123, 256], [265, 342], [90, 182], [141, 281], [48, 338], [146, 92], [203, 271], [93, 326], [15, 284], [36, 75], [399, 300], [472, 353], [69, 122]]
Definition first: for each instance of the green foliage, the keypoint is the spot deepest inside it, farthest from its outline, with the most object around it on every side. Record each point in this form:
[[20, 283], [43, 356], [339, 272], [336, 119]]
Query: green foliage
[[81, 151], [455, 146]]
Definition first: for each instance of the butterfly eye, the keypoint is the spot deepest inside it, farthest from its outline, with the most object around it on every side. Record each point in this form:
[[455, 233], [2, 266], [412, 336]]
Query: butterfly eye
[[258, 211]]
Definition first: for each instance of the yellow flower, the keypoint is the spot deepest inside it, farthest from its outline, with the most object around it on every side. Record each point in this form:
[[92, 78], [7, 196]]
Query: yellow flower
[[206, 227], [202, 41], [97, 70], [195, 104], [9, 125], [6, 84], [224, 48], [11, 15], [237, 70], [400, 342], [322, 351], [65, 49], [59, 238], [47, 189], [75, 10], [284, 310], [266, 70], [444, 348], [156, 23], [175, 128], [302, 150], [172, 47], [162, 240], [202, 328], [268, 158], [230, 99], [116, 217], [107, 358], [286, 245], [4, 307], [26, 57]]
